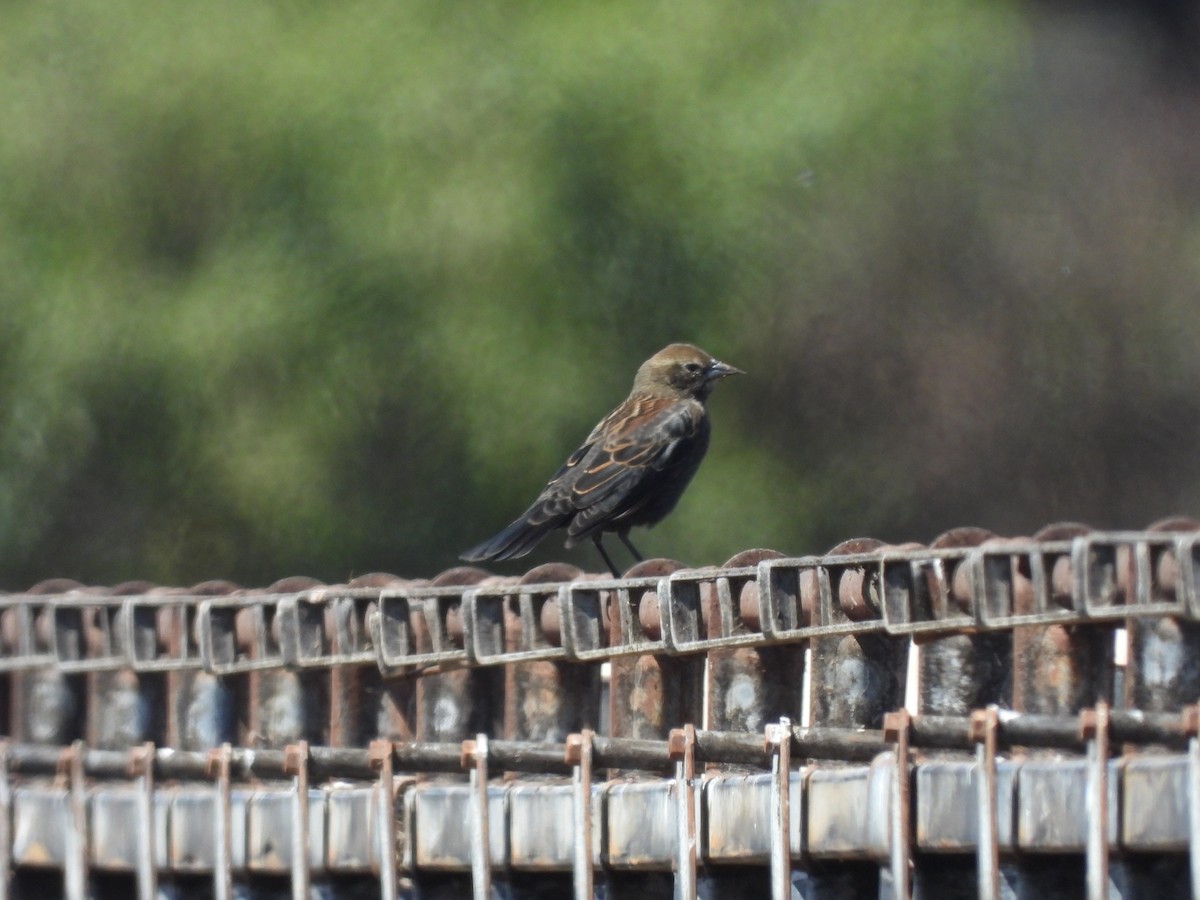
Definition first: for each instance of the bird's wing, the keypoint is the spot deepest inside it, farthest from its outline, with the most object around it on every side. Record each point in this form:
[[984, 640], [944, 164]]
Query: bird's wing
[[639, 436]]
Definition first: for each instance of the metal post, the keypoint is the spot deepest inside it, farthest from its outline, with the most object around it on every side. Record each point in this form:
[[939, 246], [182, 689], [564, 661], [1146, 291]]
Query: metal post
[[984, 724], [1093, 726], [1194, 813], [5, 825], [75, 866], [681, 747], [579, 755], [779, 742], [380, 755], [141, 765], [895, 728], [296, 764], [219, 761], [475, 755]]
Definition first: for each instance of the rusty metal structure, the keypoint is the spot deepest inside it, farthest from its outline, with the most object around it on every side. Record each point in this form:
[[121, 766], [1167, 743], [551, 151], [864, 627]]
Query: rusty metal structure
[[981, 717]]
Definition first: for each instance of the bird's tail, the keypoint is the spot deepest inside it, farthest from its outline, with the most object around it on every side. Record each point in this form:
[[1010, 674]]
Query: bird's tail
[[515, 540]]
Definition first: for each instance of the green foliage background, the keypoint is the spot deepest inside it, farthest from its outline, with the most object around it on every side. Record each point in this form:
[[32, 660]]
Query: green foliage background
[[302, 287]]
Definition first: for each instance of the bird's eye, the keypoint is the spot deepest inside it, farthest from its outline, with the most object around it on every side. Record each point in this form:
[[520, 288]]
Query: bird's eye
[[692, 368]]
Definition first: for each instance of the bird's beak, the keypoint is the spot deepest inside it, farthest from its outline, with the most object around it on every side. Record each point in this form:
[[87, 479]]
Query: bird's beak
[[717, 369]]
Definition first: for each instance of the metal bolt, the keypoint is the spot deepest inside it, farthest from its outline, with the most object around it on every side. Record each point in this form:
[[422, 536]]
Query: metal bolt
[[977, 726], [294, 756], [212, 763], [378, 752], [895, 724], [141, 759], [676, 742], [1189, 720], [573, 749], [1087, 724], [467, 755]]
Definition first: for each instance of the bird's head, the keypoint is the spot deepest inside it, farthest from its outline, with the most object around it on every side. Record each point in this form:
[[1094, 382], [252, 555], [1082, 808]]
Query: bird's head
[[682, 371]]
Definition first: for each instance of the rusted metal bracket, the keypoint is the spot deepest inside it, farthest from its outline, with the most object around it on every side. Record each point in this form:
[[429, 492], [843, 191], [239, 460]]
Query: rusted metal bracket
[[219, 763], [475, 758], [985, 724], [380, 754], [778, 739], [896, 726], [295, 763], [1093, 728], [578, 755], [681, 748]]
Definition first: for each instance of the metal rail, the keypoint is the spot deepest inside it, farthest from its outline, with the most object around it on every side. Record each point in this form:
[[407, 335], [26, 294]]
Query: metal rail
[[1014, 715], [994, 587], [225, 813]]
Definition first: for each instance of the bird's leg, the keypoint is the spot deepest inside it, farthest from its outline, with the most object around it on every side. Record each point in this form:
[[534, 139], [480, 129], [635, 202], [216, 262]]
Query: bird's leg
[[598, 541], [624, 536]]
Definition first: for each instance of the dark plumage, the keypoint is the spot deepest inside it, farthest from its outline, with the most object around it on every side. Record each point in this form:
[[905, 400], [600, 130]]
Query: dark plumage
[[632, 468]]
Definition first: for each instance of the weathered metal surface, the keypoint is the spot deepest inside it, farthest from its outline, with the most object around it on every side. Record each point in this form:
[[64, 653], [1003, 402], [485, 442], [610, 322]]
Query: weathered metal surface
[[641, 825], [958, 672], [441, 842], [546, 697], [847, 811], [738, 818], [947, 807], [538, 839], [452, 705], [649, 693], [1087, 800], [1052, 805]]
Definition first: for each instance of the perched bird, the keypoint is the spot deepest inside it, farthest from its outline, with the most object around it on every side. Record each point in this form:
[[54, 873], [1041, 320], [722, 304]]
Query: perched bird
[[632, 468]]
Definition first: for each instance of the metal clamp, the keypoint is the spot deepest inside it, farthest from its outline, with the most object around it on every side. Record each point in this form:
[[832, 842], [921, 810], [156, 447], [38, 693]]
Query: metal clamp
[[421, 627], [20, 642], [160, 633], [590, 607], [238, 634], [802, 598], [304, 638], [918, 591], [88, 633], [1116, 574], [535, 605], [323, 628], [1187, 558], [693, 596], [1022, 583]]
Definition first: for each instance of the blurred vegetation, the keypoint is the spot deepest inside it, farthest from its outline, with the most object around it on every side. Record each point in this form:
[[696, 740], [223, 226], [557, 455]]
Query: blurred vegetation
[[315, 288]]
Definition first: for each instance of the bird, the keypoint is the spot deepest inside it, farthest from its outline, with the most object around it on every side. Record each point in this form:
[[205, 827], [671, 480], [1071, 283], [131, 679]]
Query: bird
[[634, 466]]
